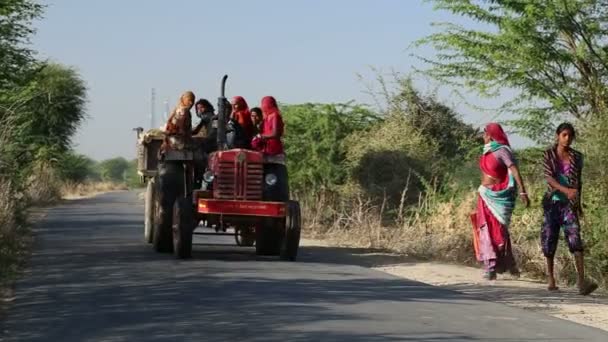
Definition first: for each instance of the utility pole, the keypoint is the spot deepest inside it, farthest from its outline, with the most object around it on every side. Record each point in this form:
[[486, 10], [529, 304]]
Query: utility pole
[[166, 110], [153, 109]]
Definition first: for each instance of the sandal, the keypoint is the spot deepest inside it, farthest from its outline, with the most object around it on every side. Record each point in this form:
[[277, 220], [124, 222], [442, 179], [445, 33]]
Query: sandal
[[587, 288], [515, 273], [489, 275]]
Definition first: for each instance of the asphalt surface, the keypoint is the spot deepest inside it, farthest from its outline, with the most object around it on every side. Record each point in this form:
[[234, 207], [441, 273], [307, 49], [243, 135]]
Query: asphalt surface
[[92, 278]]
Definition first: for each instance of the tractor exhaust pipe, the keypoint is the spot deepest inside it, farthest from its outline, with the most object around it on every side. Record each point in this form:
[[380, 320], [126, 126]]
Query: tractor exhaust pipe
[[222, 115]]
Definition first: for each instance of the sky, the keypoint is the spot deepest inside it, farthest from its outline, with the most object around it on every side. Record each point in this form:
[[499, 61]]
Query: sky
[[298, 51]]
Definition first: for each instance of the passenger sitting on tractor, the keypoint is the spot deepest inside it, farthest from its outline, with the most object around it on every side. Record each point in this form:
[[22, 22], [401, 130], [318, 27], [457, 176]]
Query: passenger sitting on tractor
[[205, 111], [274, 155], [179, 124], [256, 118], [236, 134], [240, 113]]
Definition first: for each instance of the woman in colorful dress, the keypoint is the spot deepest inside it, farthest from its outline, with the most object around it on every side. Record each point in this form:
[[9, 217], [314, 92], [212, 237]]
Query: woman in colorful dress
[[497, 194], [563, 167]]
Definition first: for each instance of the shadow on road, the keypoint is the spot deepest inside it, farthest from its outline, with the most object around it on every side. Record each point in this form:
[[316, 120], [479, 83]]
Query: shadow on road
[[93, 279]]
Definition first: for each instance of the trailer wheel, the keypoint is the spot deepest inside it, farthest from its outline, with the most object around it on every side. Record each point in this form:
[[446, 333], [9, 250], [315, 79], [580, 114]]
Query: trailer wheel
[[183, 226], [293, 227], [268, 237], [150, 210]]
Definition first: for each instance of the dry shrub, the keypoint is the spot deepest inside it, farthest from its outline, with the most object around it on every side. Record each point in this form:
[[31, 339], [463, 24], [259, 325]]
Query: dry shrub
[[77, 189], [12, 234], [424, 231], [43, 184]]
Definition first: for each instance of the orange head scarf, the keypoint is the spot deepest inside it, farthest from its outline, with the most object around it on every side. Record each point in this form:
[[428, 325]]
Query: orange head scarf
[[243, 115]]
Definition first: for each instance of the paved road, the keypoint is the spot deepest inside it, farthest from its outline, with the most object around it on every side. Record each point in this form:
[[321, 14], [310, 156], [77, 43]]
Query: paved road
[[92, 279]]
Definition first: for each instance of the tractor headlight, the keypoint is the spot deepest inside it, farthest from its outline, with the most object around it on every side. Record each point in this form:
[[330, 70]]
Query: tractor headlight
[[271, 179], [208, 176]]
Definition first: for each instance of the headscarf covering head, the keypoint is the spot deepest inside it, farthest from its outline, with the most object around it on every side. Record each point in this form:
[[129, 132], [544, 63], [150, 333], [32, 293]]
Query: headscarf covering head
[[497, 134], [240, 102], [187, 99], [269, 106]]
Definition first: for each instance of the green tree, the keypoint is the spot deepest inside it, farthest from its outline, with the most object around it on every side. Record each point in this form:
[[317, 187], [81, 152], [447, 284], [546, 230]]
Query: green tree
[[132, 178], [77, 168], [114, 170], [55, 109], [554, 52], [313, 141], [420, 140], [435, 121], [16, 17], [39, 118]]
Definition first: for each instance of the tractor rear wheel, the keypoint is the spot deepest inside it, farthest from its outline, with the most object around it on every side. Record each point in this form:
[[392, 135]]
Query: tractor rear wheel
[[168, 189], [293, 227], [183, 226], [162, 223]]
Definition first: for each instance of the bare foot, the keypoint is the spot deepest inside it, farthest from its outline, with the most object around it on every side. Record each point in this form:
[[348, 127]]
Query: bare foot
[[552, 286]]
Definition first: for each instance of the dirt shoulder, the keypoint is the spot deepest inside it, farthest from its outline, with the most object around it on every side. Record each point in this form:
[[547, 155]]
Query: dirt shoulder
[[523, 293]]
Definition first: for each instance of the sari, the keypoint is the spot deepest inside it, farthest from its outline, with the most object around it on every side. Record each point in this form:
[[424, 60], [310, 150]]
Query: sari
[[495, 206]]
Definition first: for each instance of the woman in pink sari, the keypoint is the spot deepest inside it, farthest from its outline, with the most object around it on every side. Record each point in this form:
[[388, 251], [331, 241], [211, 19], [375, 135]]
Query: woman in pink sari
[[497, 193]]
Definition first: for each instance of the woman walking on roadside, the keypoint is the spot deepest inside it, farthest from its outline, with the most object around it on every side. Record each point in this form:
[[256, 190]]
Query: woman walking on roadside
[[496, 201], [563, 167]]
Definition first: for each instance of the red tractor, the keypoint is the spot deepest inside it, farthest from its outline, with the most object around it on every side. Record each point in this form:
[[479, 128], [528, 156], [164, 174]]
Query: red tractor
[[227, 188]]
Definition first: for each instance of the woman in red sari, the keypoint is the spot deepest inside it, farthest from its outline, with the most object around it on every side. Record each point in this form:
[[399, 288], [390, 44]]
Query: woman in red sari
[[271, 144], [241, 114], [497, 193]]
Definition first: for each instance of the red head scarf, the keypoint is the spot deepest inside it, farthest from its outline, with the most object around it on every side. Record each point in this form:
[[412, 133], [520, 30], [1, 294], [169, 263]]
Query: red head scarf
[[240, 101], [243, 116], [269, 106], [497, 134]]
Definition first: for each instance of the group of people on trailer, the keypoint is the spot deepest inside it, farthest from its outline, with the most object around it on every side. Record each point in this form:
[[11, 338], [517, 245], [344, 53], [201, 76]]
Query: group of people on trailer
[[562, 167]]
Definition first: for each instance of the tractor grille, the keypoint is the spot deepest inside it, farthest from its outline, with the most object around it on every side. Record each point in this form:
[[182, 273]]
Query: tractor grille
[[239, 180]]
